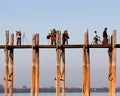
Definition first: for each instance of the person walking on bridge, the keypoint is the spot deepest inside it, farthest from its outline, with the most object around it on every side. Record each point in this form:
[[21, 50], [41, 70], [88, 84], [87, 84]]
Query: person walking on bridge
[[53, 37], [105, 37], [65, 38], [18, 36]]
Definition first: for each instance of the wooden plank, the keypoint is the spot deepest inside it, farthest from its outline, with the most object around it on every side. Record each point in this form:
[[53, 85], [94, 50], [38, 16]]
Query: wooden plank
[[62, 46], [117, 45]]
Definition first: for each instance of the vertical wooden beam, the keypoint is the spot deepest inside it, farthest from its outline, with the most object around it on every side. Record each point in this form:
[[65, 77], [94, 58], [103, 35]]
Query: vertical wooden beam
[[112, 66], [63, 72], [33, 67], [86, 68], [110, 77], [58, 64], [37, 67], [11, 55], [114, 62], [6, 65]]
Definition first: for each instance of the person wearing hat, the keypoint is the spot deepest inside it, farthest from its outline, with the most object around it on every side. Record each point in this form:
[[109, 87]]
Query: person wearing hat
[[105, 37], [18, 36], [65, 38]]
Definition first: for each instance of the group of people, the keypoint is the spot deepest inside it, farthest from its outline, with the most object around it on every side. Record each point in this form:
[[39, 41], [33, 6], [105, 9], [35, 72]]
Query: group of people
[[105, 37], [52, 37]]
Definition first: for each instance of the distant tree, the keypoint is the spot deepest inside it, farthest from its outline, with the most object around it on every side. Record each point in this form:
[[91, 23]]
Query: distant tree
[[24, 87], [1, 86]]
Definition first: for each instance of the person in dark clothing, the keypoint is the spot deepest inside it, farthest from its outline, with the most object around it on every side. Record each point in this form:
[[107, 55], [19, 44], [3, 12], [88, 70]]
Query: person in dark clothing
[[105, 37], [18, 36], [65, 38]]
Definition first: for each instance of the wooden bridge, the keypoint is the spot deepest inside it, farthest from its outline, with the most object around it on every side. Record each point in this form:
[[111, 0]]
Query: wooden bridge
[[60, 53]]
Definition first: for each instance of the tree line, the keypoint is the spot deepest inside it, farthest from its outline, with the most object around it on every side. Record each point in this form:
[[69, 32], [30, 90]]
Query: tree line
[[51, 89]]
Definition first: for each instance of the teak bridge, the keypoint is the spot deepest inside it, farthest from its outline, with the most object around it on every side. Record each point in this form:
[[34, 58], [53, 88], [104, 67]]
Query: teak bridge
[[60, 53]]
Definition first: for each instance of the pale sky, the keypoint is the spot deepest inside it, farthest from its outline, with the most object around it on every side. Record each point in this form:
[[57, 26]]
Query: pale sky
[[39, 16]]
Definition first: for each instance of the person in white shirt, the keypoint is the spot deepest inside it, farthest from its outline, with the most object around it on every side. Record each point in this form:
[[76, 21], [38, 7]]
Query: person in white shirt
[[95, 37]]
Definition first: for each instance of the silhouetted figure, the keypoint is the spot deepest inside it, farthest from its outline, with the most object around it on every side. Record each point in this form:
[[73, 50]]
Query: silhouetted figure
[[18, 36], [105, 37], [65, 38]]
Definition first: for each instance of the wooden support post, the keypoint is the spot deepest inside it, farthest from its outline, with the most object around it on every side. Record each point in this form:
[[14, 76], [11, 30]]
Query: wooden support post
[[6, 65], [86, 68], [33, 67], [58, 52], [114, 63], [63, 72], [11, 71], [37, 67], [112, 66], [110, 77]]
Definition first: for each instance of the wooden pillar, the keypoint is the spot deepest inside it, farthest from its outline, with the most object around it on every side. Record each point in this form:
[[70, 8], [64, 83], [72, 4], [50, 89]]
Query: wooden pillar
[[6, 65], [86, 68], [11, 71], [33, 67], [112, 66], [58, 52], [114, 63], [37, 67], [63, 72]]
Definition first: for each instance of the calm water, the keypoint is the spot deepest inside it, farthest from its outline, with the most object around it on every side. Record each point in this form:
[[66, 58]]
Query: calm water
[[67, 94]]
